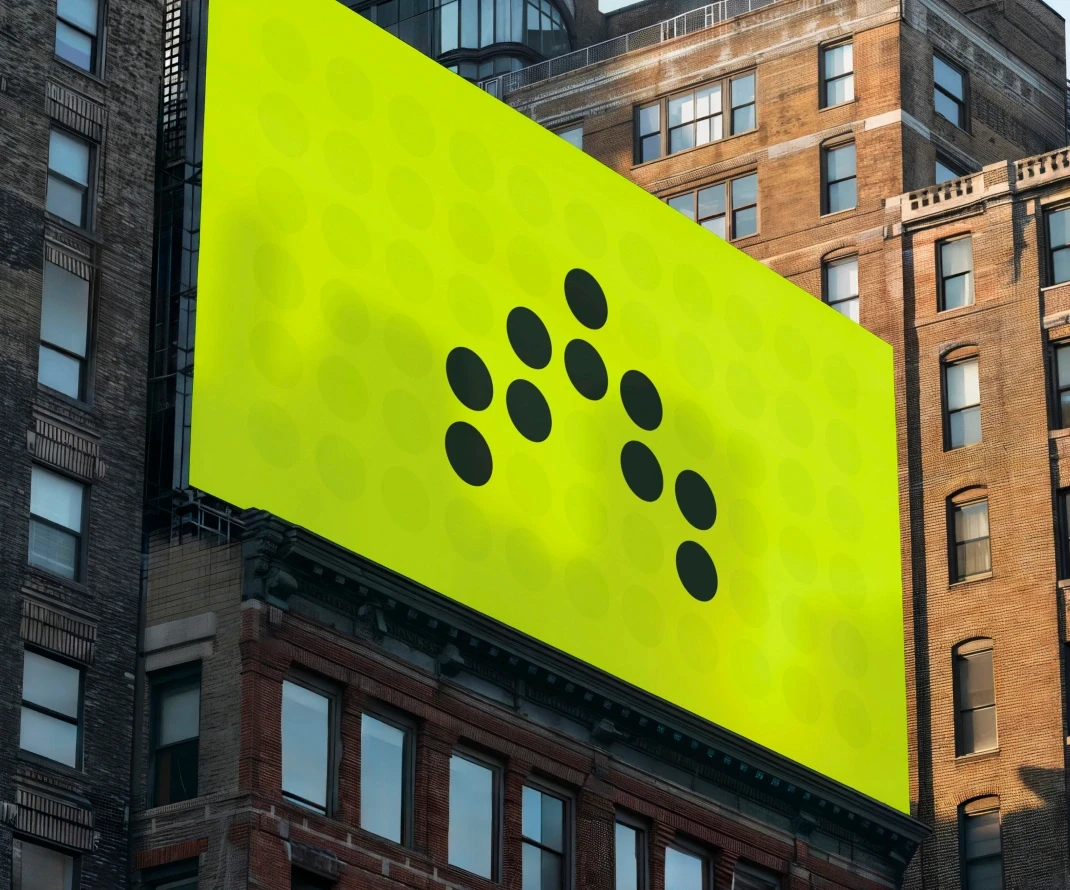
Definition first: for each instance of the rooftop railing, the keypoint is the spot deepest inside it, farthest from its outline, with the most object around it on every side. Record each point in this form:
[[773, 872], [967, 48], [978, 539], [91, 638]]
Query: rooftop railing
[[687, 23]]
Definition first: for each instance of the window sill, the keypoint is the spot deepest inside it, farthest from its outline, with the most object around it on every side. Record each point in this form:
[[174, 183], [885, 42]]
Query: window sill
[[1063, 583], [853, 101], [826, 216], [686, 151], [84, 406], [54, 765], [193, 803], [1051, 287], [967, 581], [96, 78], [1061, 433], [967, 759], [958, 449], [79, 231], [46, 577], [942, 314]]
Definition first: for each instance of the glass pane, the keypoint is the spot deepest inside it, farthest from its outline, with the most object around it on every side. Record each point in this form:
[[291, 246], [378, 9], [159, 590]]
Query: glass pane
[[64, 309], [74, 46], [966, 427], [681, 110], [531, 814], [958, 291], [180, 714], [947, 108], [53, 550], [66, 201], [82, 13], [387, 13], [1059, 228], [56, 498], [717, 127], [49, 737], [743, 90], [681, 138], [842, 280], [531, 878], [987, 875], [551, 871], [745, 190], [60, 372], [744, 222], [716, 225], [649, 120], [711, 201], [501, 21], [650, 149], [44, 869], [956, 257], [840, 90], [470, 23], [471, 831], [839, 60], [626, 858], [1060, 261], [974, 558], [977, 684], [982, 835], [683, 871], [382, 777], [848, 308], [516, 16], [69, 156], [841, 162], [842, 196], [944, 173], [553, 823], [486, 23], [708, 101], [1062, 361], [448, 27], [948, 78], [50, 684], [743, 119], [971, 521], [979, 730], [176, 773], [702, 131], [963, 388], [573, 136], [304, 743], [685, 204]]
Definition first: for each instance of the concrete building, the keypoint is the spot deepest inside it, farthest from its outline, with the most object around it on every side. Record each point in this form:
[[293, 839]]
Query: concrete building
[[79, 85]]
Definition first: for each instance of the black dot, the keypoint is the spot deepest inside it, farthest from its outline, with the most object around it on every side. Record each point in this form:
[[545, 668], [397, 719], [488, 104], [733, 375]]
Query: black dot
[[585, 299], [529, 337], [695, 499], [696, 571], [586, 369], [469, 378], [641, 400], [528, 409], [642, 471], [468, 453]]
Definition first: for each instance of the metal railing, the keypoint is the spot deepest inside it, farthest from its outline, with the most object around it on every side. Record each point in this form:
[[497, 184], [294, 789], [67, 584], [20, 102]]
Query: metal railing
[[687, 23]]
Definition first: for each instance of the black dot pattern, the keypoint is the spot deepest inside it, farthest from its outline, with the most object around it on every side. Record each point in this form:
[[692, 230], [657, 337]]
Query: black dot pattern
[[468, 453], [641, 400], [641, 471], [528, 410], [586, 370], [586, 299], [696, 571], [529, 338], [469, 378], [696, 500]]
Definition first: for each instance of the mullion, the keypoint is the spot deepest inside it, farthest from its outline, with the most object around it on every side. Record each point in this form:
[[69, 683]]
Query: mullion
[[958, 103]]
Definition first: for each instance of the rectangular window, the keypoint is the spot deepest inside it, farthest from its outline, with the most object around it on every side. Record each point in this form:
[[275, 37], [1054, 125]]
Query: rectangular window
[[752, 877], [545, 836], [473, 829], [307, 717], [841, 286], [176, 729], [42, 868], [743, 104], [1062, 385], [972, 555], [77, 22], [180, 876], [51, 709], [64, 331], [976, 696], [685, 870], [385, 785], [573, 135], [68, 177], [1059, 245], [57, 517], [630, 857], [961, 383], [695, 118], [1063, 509], [956, 273], [837, 74], [949, 92], [648, 122], [709, 207], [841, 185], [947, 170], [982, 851]]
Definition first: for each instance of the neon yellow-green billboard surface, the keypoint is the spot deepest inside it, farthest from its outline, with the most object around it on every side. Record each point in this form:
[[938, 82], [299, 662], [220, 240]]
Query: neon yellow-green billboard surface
[[442, 337]]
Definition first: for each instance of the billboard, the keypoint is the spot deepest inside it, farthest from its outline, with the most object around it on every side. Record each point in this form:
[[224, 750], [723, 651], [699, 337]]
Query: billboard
[[447, 340]]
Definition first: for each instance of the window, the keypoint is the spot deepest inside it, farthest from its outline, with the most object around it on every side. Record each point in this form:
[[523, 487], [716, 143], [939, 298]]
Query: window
[[68, 177], [972, 556], [42, 868], [696, 117], [710, 207], [76, 32], [175, 734], [385, 778], [1066, 685], [947, 170], [685, 869], [837, 74], [64, 331], [752, 877], [963, 393], [1063, 509], [975, 697], [57, 516], [841, 286], [473, 830], [573, 135], [303, 880], [307, 746], [982, 850], [949, 92], [180, 876], [629, 856], [1062, 385], [51, 709], [841, 189], [545, 830], [1059, 245], [956, 273]]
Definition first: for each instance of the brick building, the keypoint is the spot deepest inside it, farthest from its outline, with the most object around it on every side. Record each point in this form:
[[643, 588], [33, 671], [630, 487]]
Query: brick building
[[78, 118]]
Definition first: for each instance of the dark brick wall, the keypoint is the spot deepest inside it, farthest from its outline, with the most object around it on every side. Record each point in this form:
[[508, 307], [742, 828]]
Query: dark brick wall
[[119, 251]]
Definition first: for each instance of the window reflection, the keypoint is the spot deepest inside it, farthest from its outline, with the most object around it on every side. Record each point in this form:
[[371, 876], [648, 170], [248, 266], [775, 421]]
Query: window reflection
[[471, 832], [305, 745], [382, 777]]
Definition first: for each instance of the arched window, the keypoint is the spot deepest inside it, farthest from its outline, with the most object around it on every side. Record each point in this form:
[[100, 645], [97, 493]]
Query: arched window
[[982, 848], [969, 550], [975, 698]]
